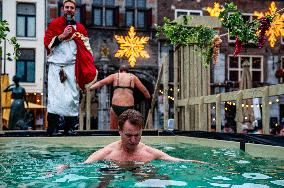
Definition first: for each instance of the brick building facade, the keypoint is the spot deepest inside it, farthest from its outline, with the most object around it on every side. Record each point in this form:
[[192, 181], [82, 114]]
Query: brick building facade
[[226, 75], [104, 19]]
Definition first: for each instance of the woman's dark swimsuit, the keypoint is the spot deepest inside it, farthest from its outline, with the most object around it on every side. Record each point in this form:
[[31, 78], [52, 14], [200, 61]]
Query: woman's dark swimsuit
[[117, 108]]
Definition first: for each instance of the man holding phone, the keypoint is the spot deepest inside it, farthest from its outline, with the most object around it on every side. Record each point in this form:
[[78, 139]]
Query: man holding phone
[[70, 68]]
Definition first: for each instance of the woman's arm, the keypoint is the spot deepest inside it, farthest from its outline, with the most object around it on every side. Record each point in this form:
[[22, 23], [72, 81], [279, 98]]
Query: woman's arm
[[141, 87], [105, 81]]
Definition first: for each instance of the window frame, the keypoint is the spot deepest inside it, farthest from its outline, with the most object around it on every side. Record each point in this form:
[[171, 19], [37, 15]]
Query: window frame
[[239, 69], [147, 22], [26, 20], [188, 11], [93, 16], [104, 9], [25, 65], [133, 17]]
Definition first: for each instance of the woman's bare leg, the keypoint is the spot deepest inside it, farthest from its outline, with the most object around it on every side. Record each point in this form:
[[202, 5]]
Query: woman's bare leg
[[113, 120]]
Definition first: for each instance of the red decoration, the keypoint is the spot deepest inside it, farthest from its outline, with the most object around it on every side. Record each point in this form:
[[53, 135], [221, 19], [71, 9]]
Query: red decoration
[[263, 27], [238, 47], [279, 73]]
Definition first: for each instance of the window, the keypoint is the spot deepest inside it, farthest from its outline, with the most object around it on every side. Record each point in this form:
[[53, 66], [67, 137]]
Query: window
[[98, 16], [130, 3], [98, 2], [129, 18], [137, 14], [25, 65], [109, 17], [141, 19], [141, 4], [246, 17], [185, 12], [26, 20], [105, 13], [235, 67]]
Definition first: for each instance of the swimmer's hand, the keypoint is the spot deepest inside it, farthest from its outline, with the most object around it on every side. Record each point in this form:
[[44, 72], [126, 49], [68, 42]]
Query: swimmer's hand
[[61, 168]]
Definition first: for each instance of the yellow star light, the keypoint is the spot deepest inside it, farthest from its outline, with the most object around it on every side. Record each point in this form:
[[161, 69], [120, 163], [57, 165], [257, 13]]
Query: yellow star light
[[277, 25], [215, 11], [131, 46]]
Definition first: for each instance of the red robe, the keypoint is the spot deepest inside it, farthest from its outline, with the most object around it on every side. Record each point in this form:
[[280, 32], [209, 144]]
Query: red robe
[[85, 70]]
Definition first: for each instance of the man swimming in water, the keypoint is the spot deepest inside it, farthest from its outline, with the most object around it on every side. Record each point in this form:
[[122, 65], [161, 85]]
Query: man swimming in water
[[129, 147]]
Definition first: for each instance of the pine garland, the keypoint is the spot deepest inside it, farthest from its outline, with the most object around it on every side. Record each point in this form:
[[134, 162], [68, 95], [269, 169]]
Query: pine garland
[[181, 35]]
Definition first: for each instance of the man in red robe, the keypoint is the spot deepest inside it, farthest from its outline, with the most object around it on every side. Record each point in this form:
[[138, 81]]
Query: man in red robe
[[71, 68]]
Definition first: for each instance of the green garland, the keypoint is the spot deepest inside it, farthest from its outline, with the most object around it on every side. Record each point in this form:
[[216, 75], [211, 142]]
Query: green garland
[[232, 19], [181, 35]]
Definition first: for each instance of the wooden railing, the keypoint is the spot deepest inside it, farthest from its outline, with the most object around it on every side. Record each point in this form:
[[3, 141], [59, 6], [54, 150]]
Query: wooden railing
[[262, 92]]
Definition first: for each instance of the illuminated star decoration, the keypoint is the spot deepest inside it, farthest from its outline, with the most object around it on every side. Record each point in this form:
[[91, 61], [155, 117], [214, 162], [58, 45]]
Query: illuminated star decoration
[[131, 46], [215, 11], [277, 25]]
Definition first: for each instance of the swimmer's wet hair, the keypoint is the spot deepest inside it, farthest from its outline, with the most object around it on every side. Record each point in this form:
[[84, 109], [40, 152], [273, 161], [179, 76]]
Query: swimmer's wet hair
[[123, 68], [133, 116]]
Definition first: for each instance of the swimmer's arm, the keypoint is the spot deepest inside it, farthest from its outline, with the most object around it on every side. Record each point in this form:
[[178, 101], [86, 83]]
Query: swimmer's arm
[[141, 87], [98, 155], [163, 156], [105, 81]]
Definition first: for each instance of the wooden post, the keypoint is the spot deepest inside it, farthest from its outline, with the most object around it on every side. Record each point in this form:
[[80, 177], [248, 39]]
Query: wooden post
[[149, 120], [239, 112], [181, 74], [265, 110], [176, 87], [88, 109], [166, 89], [190, 85], [202, 119], [82, 112], [186, 86], [218, 113]]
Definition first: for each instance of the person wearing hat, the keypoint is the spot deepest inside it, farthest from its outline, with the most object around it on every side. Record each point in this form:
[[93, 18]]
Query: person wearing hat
[[18, 112], [70, 68]]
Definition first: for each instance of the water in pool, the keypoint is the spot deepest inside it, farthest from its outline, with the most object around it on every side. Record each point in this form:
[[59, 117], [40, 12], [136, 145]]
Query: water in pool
[[28, 164]]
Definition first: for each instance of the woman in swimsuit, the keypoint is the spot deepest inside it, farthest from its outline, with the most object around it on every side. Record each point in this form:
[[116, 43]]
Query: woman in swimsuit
[[123, 86]]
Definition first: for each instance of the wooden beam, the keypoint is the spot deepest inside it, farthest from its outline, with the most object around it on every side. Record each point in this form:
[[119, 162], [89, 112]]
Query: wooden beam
[[265, 110], [176, 87], [239, 112], [149, 120], [218, 113], [88, 110], [166, 90]]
